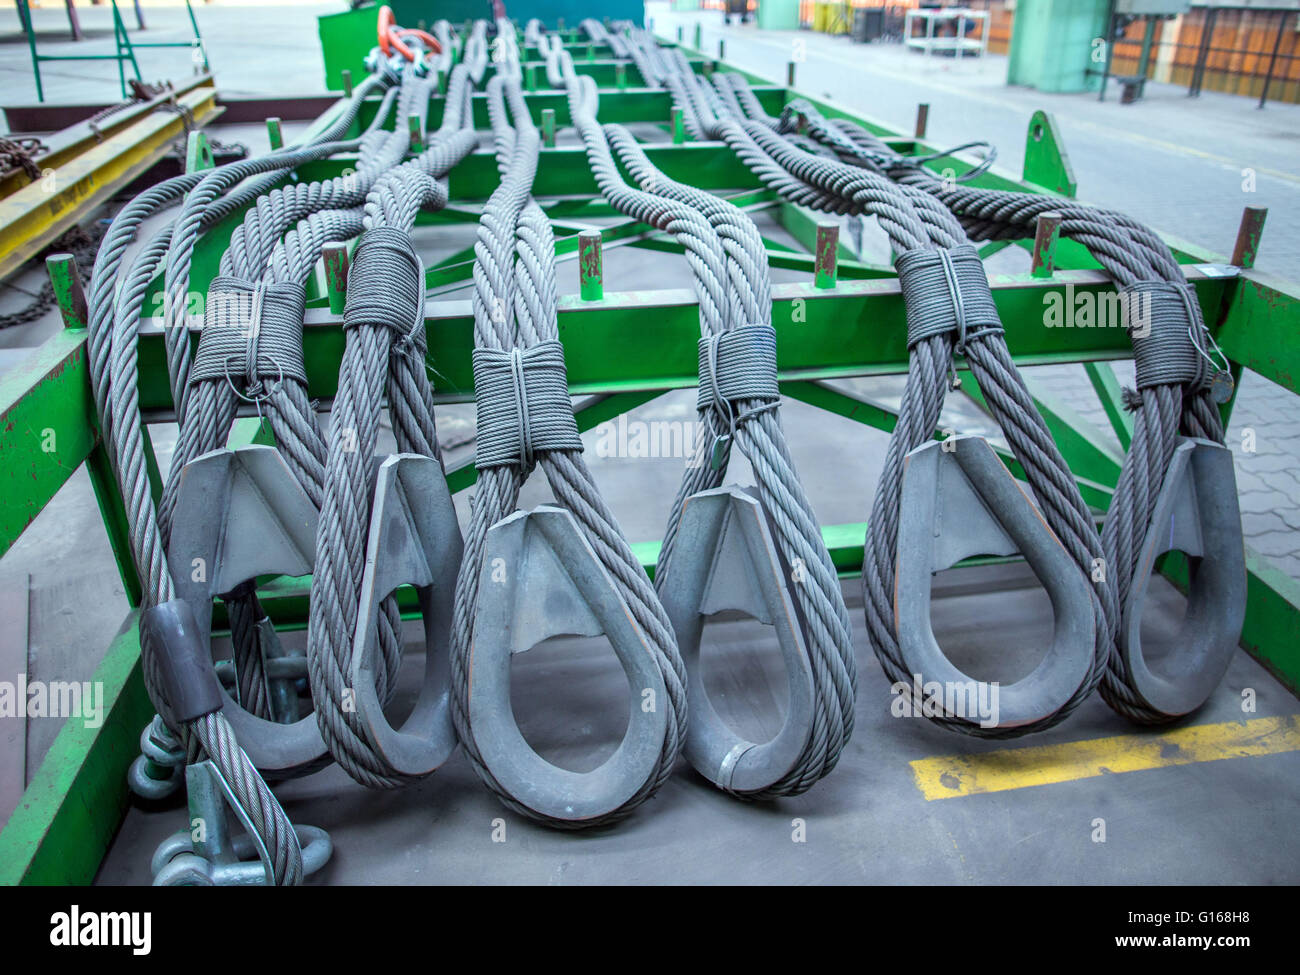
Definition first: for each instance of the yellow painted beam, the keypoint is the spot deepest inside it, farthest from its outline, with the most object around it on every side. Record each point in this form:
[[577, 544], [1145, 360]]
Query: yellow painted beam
[[34, 216], [66, 144], [949, 776]]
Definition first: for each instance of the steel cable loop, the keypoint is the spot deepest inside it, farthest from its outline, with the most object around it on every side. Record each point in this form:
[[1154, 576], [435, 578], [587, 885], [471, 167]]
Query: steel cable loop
[[385, 349], [205, 422], [288, 407], [595, 30], [762, 440], [914, 220], [115, 304], [206, 195], [515, 312], [1169, 350], [443, 33]]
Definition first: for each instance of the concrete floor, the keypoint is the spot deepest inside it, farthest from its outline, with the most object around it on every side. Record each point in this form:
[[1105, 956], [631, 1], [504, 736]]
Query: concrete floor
[[1169, 160], [1221, 822]]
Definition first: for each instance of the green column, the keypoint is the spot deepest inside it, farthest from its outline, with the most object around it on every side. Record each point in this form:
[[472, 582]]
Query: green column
[[1053, 45], [778, 15]]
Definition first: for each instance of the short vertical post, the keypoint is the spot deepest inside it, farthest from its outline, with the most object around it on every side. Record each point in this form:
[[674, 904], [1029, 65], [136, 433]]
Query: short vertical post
[[548, 128], [699, 37], [1272, 61], [591, 272], [620, 76], [681, 33], [591, 52], [1047, 231], [1248, 234], [73, 23], [789, 74], [1144, 59], [722, 49], [678, 127], [274, 134], [68, 292], [530, 76], [825, 272], [347, 83], [922, 119], [417, 132], [336, 275]]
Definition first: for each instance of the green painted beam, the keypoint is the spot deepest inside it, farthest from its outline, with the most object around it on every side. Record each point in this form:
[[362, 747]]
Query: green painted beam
[[47, 428], [73, 805], [1106, 385], [1261, 330], [858, 329]]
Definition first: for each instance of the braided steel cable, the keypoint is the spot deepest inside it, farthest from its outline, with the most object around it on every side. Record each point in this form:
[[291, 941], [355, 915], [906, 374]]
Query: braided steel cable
[[209, 406], [915, 221], [1135, 258], [729, 262], [115, 302], [385, 344], [761, 439], [515, 308], [595, 30]]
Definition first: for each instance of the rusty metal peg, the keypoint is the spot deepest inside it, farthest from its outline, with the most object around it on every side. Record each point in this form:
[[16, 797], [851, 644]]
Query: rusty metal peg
[[958, 501], [414, 540], [244, 515], [540, 578], [724, 559], [1196, 513]]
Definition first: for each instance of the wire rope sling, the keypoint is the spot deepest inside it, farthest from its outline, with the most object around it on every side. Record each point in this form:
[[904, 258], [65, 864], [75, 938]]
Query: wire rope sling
[[1177, 488], [558, 569], [759, 551], [937, 503], [227, 516]]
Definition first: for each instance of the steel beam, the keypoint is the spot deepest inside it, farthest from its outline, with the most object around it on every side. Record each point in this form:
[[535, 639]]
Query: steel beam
[[36, 214]]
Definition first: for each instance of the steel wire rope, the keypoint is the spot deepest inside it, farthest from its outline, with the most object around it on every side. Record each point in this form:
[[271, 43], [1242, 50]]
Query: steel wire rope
[[1134, 256], [761, 438], [114, 308], [385, 347], [917, 222], [515, 309]]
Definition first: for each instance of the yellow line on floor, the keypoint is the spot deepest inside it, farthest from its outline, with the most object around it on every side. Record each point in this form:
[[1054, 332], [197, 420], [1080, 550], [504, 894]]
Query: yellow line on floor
[[948, 776]]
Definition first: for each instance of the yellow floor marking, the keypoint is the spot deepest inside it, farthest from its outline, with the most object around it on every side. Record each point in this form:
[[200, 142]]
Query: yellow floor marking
[[946, 776]]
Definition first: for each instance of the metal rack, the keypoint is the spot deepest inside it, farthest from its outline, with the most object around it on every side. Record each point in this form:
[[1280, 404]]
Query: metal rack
[[959, 44], [851, 322]]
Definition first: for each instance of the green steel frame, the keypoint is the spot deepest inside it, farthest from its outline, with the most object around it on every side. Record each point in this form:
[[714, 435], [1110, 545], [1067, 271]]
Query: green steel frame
[[850, 323], [124, 46]]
